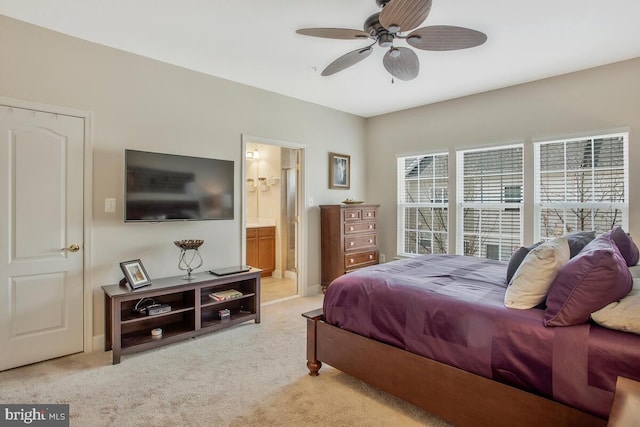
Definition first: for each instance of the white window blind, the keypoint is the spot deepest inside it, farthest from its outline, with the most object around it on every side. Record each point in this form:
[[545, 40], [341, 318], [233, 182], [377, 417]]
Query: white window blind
[[489, 194], [581, 184], [423, 200]]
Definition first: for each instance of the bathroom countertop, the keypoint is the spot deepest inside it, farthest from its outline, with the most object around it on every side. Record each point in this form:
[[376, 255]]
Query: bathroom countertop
[[259, 225]]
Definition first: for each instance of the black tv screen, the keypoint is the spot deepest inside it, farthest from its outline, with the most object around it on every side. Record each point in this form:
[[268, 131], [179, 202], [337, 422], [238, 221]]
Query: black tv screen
[[168, 187]]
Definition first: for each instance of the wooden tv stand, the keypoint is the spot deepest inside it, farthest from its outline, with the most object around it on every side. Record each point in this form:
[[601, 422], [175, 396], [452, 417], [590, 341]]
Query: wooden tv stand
[[192, 313]]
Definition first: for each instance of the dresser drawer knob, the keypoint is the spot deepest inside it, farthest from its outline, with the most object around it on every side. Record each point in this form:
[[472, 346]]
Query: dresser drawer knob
[[350, 228], [351, 261], [370, 240], [368, 213], [370, 227], [351, 243], [370, 256], [353, 215]]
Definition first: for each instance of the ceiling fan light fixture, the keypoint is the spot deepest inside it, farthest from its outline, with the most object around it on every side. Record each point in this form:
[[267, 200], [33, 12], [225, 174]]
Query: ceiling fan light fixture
[[393, 28], [398, 19], [385, 40]]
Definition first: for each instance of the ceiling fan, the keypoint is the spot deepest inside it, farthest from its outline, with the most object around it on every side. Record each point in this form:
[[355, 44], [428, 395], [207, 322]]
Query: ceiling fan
[[388, 25]]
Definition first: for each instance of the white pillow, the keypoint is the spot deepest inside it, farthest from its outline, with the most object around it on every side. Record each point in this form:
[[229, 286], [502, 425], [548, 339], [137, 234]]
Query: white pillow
[[635, 271], [623, 315], [531, 282]]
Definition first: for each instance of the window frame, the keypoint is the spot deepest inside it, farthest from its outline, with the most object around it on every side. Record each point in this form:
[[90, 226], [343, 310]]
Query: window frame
[[539, 205], [501, 206], [434, 203], [530, 191]]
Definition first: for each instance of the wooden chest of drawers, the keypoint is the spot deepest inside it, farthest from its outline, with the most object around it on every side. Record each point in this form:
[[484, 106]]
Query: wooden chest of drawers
[[349, 239]]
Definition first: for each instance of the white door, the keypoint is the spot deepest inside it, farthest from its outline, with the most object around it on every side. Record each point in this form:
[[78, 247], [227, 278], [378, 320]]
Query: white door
[[41, 214]]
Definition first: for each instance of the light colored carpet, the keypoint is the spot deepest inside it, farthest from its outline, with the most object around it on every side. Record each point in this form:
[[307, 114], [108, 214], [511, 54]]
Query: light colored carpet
[[248, 375]]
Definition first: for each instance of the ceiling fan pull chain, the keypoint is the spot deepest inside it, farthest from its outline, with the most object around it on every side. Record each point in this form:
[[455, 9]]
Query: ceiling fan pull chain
[[392, 80]]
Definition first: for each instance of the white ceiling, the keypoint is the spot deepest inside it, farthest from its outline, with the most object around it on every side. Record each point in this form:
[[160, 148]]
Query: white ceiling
[[254, 42]]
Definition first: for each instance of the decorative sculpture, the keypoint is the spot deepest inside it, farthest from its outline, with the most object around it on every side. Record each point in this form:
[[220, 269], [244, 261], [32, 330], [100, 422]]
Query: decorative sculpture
[[185, 263]]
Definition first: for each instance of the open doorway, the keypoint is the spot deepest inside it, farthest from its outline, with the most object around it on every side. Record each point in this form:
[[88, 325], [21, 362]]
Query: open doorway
[[272, 220]]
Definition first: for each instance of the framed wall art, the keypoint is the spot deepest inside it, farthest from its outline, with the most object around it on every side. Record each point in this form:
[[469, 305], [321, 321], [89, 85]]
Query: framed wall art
[[339, 171]]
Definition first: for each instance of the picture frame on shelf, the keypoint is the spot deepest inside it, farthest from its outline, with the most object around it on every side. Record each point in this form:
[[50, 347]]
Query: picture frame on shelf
[[135, 274], [339, 171]]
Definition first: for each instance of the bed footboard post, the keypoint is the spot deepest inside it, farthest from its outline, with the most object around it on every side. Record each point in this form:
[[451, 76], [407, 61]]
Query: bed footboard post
[[313, 317]]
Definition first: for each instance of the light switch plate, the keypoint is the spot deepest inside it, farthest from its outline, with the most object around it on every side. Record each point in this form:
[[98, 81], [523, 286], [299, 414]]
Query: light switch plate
[[109, 205]]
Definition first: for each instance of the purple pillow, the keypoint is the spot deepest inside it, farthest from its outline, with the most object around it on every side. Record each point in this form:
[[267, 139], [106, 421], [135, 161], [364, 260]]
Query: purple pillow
[[625, 244], [596, 277]]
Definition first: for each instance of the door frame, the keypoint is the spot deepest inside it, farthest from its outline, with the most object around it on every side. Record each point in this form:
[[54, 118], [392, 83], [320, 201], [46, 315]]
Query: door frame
[[87, 303], [301, 242]]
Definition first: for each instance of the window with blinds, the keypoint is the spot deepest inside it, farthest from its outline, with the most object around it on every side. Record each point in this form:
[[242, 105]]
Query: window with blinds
[[423, 200], [489, 195], [581, 184]]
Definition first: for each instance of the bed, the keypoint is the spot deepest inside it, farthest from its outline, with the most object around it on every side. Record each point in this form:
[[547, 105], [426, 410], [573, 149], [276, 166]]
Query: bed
[[434, 331]]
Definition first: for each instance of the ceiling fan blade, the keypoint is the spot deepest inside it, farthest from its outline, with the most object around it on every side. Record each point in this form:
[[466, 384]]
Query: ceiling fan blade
[[334, 33], [445, 37], [404, 15], [347, 60], [404, 66]]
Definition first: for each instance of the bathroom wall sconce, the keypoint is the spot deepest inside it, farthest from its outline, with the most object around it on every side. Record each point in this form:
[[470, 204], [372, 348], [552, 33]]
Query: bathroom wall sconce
[[255, 154], [272, 180], [251, 186], [262, 184]]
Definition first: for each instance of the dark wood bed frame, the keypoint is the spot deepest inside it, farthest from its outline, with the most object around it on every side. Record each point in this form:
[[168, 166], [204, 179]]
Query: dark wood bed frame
[[460, 397]]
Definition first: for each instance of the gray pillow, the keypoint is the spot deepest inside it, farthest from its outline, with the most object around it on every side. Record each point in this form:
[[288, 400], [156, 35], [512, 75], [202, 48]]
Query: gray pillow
[[516, 259], [579, 240], [576, 240]]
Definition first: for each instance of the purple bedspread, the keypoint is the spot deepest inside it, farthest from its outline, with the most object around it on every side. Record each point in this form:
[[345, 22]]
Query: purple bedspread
[[450, 308]]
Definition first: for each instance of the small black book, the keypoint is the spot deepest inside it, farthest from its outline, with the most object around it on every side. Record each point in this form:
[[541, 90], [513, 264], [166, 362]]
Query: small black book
[[230, 270]]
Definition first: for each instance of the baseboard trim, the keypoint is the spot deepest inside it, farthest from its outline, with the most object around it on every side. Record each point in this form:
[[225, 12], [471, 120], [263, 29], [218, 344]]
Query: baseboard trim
[[290, 275], [313, 290], [98, 342]]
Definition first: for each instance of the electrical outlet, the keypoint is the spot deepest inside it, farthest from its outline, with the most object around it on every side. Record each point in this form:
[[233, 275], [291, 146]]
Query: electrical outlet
[[383, 258], [311, 202]]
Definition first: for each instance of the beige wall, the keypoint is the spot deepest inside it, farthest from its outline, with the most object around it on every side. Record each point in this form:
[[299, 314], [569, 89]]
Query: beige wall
[[600, 99], [148, 105], [144, 104]]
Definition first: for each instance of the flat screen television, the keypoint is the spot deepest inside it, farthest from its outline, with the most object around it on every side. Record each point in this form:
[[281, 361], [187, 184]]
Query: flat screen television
[[168, 187]]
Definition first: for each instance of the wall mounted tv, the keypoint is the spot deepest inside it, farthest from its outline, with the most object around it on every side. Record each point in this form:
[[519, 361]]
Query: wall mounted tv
[[168, 187]]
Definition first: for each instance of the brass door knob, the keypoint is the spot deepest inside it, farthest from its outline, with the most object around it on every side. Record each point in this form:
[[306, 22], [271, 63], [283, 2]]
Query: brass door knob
[[73, 248]]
